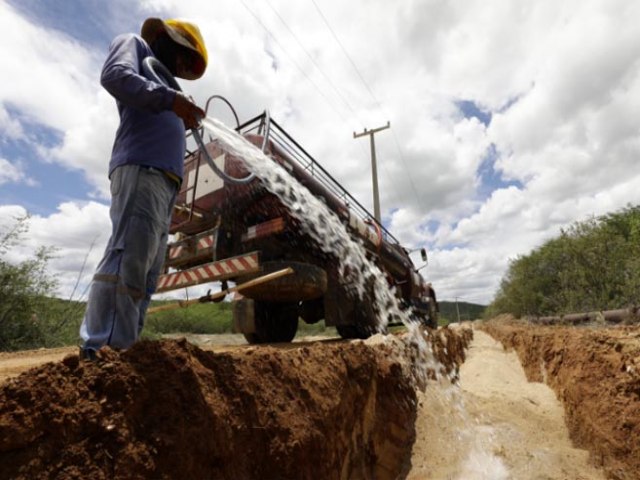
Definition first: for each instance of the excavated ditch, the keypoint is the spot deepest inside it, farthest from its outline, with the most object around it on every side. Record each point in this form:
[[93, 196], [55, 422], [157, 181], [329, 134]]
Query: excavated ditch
[[595, 372], [167, 409]]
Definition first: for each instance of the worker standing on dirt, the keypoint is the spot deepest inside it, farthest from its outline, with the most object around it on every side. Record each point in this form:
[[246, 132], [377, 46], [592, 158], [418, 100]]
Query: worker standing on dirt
[[145, 171]]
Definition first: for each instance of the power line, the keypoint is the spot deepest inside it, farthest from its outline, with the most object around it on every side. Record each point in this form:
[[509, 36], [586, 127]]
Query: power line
[[375, 99], [329, 81], [326, 22], [255, 16], [297, 65], [292, 59], [337, 91]]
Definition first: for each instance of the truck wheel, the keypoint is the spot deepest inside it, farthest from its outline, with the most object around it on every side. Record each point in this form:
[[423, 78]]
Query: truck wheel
[[362, 321], [274, 322], [312, 311], [361, 332], [432, 322], [362, 329], [354, 331], [433, 313]]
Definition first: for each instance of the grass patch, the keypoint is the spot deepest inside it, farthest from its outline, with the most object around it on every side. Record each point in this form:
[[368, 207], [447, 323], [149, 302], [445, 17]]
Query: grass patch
[[203, 318]]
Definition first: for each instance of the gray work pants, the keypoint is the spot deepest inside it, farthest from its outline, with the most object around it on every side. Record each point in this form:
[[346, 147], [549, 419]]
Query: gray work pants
[[141, 203]]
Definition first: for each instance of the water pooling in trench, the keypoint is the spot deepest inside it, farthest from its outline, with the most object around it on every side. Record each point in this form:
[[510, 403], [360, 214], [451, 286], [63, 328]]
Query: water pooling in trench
[[330, 234]]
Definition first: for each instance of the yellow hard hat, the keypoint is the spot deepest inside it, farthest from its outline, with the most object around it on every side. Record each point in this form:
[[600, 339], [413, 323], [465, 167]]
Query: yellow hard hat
[[183, 33]]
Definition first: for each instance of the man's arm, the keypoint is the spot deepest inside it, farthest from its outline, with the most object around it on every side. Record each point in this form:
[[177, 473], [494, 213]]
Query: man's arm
[[123, 80]]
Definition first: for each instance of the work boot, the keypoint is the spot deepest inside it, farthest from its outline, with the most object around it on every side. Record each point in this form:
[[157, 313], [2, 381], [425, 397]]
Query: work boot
[[88, 354]]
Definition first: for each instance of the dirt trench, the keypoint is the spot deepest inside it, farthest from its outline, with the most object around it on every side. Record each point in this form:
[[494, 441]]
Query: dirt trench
[[595, 372], [168, 409]]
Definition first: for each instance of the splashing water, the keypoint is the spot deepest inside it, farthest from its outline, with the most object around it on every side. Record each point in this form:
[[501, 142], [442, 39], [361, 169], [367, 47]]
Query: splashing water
[[330, 234]]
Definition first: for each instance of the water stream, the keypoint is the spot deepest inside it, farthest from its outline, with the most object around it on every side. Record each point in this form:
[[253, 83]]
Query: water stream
[[330, 234]]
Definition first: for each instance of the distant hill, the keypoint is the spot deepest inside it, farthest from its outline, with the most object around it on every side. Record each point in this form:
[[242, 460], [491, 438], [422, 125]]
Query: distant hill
[[468, 311]]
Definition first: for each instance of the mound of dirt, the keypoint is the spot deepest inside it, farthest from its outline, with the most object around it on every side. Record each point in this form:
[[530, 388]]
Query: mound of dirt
[[595, 372], [169, 410]]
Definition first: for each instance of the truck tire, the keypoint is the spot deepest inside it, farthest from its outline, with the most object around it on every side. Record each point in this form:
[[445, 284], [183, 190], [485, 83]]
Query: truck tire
[[349, 332], [275, 322], [363, 325], [312, 311], [432, 322]]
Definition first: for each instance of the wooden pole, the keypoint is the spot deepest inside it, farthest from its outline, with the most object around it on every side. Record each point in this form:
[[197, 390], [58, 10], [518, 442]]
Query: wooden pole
[[374, 169], [223, 293]]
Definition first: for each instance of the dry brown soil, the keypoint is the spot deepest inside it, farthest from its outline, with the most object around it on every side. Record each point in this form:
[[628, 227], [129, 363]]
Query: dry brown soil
[[331, 409], [595, 373], [168, 409]]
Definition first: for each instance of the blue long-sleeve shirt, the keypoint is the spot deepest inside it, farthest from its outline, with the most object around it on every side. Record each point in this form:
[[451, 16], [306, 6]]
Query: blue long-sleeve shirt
[[149, 134]]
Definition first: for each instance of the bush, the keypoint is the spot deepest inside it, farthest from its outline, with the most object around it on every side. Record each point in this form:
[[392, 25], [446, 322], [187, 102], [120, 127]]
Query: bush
[[24, 288], [205, 318], [593, 265], [209, 318]]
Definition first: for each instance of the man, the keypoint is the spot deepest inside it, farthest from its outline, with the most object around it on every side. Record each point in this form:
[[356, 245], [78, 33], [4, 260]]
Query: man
[[145, 171]]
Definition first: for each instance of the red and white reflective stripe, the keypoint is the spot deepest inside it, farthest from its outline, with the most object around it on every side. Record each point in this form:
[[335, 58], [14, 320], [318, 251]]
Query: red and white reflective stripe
[[175, 252], [205, 242], [263, 229], [210, 272]]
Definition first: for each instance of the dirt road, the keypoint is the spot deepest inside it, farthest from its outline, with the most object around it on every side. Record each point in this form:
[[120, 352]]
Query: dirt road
[[495, 426]]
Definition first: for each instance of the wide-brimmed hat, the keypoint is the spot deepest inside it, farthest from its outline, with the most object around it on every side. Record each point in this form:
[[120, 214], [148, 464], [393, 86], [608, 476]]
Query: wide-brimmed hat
[[183, 33]]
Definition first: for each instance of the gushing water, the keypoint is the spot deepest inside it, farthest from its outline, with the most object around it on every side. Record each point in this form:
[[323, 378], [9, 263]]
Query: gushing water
[[324, 226], [331, 235]]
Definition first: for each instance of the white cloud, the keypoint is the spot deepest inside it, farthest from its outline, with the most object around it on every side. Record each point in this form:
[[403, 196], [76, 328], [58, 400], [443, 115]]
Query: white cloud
[[11, 128], [562, 82], [87, 144], [56, 86], [75, 231], [13, 172], [52, 73]]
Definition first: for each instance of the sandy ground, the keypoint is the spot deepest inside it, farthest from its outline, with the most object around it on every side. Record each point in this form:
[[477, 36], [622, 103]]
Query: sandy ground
[[13, 363], [496, 425]]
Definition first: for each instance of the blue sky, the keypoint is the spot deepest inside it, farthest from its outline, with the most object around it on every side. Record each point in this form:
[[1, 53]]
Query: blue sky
[[91, 22], [48, 185], [509, 120], [88, 23]]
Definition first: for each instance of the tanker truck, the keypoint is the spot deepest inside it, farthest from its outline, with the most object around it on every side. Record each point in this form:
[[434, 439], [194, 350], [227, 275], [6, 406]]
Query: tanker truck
[[234, 231]]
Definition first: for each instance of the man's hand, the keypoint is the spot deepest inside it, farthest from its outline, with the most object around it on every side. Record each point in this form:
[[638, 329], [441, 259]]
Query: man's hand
[[189, 112]]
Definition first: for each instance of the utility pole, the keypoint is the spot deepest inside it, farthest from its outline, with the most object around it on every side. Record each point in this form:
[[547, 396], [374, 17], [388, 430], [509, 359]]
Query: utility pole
[[457, 310], [374, 168]]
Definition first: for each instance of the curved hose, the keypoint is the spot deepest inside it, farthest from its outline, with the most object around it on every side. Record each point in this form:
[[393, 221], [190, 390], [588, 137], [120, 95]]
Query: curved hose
[[222, 99], [154, 70]]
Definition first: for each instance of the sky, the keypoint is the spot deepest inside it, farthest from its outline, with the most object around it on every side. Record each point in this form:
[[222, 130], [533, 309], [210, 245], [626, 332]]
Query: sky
[[510, 120]]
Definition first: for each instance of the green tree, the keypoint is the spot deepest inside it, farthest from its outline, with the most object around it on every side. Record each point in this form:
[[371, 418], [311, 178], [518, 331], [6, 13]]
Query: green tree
[[25, 291], [592, 265]]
